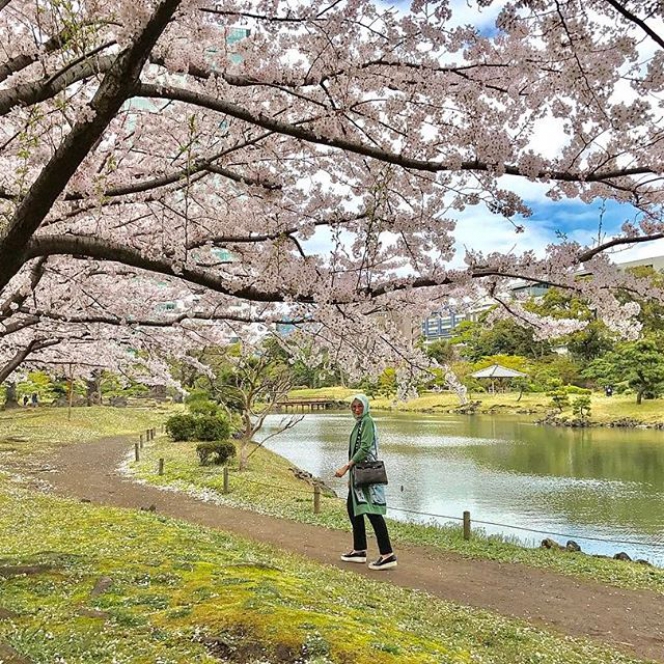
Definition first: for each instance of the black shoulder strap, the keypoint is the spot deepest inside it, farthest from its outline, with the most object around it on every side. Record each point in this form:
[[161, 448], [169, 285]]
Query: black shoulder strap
[[358, 437]]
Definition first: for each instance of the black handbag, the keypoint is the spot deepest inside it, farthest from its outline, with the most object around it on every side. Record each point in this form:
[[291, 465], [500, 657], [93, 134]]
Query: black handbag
[[369, 472]]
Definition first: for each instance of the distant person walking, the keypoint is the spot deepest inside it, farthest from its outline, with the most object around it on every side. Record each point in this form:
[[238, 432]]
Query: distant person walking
[[370, 499], [34, 400], [26, 399]]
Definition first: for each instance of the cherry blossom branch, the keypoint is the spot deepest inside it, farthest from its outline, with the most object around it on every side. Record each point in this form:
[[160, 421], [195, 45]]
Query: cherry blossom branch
[[620, 8], [116, 87], [172, 321], [590, 253], [382, 154], [24, 60], [27, 94], [17, 300], [21, 355], [216, 240]]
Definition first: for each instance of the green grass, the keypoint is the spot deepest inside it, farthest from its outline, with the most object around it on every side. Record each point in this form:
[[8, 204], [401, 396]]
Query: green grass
[[29, 431], [336, 393], [180, 593], [174, 586], [270, 487]]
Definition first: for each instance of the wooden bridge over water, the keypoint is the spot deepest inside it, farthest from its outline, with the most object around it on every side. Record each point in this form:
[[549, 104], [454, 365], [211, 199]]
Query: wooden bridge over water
[[310, 405]]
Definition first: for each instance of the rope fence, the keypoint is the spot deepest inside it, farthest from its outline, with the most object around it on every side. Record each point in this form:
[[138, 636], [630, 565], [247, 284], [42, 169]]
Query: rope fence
[[316, 493]]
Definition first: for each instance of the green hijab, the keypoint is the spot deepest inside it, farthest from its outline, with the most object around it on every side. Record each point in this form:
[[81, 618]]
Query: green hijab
[[363, 399]]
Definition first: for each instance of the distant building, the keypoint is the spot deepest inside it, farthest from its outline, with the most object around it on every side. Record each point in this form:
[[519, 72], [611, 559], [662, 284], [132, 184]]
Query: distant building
[[441, 323]]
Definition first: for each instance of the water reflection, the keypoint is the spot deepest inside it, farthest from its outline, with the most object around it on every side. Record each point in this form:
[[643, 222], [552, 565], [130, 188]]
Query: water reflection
[[605, 483]]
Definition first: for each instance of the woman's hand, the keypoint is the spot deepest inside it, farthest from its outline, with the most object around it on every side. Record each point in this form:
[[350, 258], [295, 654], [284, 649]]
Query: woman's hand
[[340, 472]]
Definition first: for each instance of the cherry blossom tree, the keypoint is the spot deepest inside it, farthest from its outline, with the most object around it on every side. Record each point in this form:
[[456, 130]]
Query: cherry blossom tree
[[308, 160]]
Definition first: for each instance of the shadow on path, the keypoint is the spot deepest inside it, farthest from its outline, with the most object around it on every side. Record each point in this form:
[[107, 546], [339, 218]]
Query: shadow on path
[[631, 621]]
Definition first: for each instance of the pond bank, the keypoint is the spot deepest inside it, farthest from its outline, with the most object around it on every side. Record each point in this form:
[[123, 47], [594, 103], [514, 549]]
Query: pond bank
[[618, 410]]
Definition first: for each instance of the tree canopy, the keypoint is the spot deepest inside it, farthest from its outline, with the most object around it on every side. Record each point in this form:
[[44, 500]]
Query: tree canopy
[[306, 164]]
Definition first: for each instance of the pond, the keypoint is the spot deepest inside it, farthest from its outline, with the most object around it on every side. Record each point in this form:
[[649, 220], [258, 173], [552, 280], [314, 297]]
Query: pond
[[521, 479]]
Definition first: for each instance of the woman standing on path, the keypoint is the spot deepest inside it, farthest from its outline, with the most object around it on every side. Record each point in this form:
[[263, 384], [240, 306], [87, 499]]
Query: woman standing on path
[[370, 499]]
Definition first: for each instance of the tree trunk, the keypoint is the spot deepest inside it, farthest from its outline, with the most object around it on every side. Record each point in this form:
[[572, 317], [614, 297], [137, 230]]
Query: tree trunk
[[93, 385], [11, 398], [639, 397], [244, 454]]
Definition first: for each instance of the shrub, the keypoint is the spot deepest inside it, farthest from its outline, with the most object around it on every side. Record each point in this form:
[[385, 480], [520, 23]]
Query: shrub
[[203, 407], [559, 399], [212, 427], [181, 427], [216, 452], [197, 395], [581, 406], [574, 389]]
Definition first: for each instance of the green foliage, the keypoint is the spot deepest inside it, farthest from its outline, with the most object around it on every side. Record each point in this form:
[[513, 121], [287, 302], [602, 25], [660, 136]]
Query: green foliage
[[591, 342], [215, 452], [574, 389], [505, 337], [111, 385], [211, 427], [383, 386], [196, 396], [203, 408], [39, 382], [441, 350], [201, 427], [581, 407], [559, 398], [558, 369], [639, 364], [181, 427]]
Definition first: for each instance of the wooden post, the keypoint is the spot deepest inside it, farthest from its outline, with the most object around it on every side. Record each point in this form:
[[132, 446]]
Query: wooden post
[[225, 479], [137, 455], [71, 391], [466, 525], [161, 466], [316, 498], [140, 441]]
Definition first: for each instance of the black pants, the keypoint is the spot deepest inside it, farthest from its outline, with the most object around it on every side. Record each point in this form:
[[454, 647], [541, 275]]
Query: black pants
[[360, 532]]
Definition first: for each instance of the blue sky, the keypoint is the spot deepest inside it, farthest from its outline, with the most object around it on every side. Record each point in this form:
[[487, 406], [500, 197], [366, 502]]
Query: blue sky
[[479, 230]]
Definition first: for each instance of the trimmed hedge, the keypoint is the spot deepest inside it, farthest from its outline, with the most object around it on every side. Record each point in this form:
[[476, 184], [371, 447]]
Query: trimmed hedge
[[215, 452], [202, 427], [212, 427], [181, 427], [203, 408]]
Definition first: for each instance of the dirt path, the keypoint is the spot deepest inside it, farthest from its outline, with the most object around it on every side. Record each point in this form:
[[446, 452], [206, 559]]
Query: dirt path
[[631, 621]]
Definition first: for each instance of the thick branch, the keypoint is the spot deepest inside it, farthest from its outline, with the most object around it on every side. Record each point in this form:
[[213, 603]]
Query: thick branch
[[381, 154], [160, 323], [116, 87], [21, 355], [620, 8], [37, 272], [27, 94], [85, 246]]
